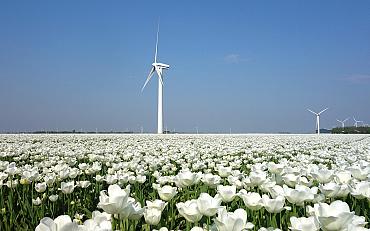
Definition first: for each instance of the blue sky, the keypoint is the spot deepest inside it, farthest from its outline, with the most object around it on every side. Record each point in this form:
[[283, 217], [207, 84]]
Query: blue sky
[[252, 66]]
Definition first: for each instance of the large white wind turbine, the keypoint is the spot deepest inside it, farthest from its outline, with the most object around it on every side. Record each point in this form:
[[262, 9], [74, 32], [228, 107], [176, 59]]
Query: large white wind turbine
[[357, 121], [158, 67], [342, 122], [318, 119]]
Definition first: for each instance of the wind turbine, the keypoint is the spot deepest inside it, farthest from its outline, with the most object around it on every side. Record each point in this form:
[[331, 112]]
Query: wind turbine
[[357, 121], [158, 68], [317, 119], [342, 122]]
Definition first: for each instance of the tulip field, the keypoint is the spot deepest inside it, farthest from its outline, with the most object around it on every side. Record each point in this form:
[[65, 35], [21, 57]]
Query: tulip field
[[184, 182]]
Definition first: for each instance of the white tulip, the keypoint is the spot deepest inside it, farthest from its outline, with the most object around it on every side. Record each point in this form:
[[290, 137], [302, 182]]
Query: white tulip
[[166, 192], [232, 221], [208, 205], [273, 205], [336, 216], [304, 224], [227, 192], [252, 200], [189, 210]]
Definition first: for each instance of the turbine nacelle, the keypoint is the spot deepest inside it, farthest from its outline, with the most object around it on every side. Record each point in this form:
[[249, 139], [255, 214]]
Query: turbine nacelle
[[161, 65]]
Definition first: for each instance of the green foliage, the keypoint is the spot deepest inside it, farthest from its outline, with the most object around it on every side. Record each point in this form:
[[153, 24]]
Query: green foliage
[[351, 130]]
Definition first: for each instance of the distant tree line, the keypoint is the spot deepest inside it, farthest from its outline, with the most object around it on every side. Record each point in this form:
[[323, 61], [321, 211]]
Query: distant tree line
[[351, 130]]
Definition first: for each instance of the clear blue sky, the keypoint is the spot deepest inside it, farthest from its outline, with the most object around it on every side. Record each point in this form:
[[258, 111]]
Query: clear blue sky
[[252, 66]]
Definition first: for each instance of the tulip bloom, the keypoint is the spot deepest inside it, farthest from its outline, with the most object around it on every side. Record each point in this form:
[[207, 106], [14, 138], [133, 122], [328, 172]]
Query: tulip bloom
[[67, 187], [232, 221], [40, 187], [208, 205], [298, 195], [227, 192], [167, 192], [304, 224], [189, 210], [61, 223], [336, 216], [252, 200], [99, 221], [152, 215], [116, 200], [273, 205]]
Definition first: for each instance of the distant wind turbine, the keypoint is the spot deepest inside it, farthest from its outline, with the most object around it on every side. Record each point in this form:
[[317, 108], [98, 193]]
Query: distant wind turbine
[[317, 118], [357, 121], [158, 67], [342, 122]]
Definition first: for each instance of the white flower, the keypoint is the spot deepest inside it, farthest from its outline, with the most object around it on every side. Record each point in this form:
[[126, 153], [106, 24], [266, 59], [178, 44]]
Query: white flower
[[227, 192], [298, 195], [167, 192], [197, 228], [361, 190], [189, 210], [158, 204], [83, 184], [275, 168], [273, 205], [336, 216], [61, 223], [343, 177], [252, 200], [232, 221], [257, 178], [323, 175], [224, 171], [304, 224], [40, 187], [186, 178], [36, 201], [208, 205], [136, 211], [116, 201], [152, 215], [67, 187], [211, 180], [53, 198], [11, 168]]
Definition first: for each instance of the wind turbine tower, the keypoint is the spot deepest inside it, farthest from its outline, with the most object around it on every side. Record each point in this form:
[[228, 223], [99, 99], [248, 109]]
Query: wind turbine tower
[[158, 68], [317, 119]]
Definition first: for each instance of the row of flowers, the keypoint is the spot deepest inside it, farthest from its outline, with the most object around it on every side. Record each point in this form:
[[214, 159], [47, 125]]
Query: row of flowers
[[117, 203], [185, 182]]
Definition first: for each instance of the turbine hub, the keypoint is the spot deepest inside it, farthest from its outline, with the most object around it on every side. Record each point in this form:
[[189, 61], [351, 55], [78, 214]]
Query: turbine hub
[[161, 65]]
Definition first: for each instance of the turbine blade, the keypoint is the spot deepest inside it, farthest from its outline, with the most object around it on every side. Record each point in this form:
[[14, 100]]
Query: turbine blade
[[345, 120], [156, 45], [312, 111], [323, 110], [340, 121], [148, 78]]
